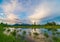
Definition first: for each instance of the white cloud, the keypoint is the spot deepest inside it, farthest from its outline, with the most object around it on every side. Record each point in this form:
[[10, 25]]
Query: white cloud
[[35, 10], [40, 12], [9, 9], [45, 9]]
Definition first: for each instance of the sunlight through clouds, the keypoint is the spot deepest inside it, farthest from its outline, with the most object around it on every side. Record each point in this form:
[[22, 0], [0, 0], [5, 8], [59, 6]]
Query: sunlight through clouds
[[47, 9], [29, 10]]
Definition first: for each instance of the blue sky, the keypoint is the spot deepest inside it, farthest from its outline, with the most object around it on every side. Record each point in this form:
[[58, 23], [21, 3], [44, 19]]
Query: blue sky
[[29, 11]]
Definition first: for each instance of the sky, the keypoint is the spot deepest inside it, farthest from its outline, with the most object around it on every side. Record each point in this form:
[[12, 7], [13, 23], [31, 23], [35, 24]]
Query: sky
[[29, 11]]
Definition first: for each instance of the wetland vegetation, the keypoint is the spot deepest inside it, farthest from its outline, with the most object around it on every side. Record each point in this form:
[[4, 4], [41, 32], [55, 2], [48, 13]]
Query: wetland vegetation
[[51, 27]]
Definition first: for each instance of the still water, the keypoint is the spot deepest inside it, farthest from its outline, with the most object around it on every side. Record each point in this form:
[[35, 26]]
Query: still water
[[37, 34]]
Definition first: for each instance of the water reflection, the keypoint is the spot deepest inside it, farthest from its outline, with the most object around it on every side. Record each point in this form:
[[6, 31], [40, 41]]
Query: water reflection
[[36, 35]]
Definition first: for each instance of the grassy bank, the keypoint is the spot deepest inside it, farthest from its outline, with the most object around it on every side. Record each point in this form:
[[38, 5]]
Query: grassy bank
[[6, 38], [38, 26]]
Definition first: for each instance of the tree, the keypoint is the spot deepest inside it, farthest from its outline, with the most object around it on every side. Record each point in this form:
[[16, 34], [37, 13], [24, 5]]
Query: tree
[[50, 23]]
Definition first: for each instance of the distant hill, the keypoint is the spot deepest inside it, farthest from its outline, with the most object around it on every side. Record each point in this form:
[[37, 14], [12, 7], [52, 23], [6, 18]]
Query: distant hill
[[21, 24]]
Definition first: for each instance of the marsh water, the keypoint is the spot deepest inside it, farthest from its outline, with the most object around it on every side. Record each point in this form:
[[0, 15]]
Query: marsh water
[[37, 34]]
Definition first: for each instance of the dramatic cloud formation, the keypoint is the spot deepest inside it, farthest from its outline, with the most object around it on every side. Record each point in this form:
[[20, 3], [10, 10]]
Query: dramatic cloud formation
[[9, 9], [29, 11], [40, 12], [45, 10]]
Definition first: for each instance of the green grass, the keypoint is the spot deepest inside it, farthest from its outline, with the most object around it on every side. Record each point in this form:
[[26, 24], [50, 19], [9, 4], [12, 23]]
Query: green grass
[[5, 38], [38, 26], [10, 38]]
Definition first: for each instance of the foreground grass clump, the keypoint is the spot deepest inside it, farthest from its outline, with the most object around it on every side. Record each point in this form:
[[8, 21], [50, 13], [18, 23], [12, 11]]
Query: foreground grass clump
[[10, 38], [5, 38], [56, 39]]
